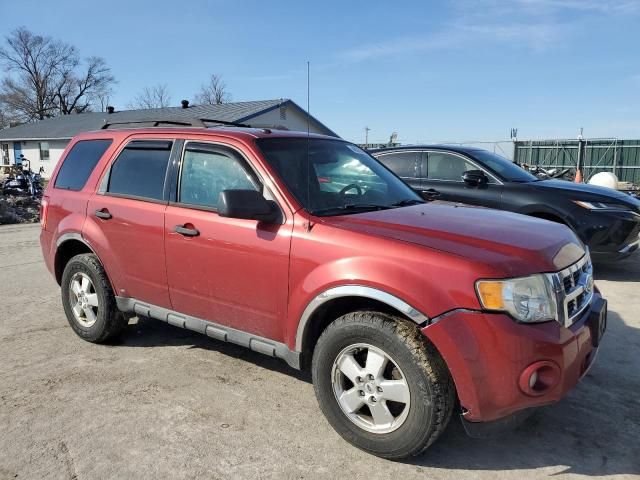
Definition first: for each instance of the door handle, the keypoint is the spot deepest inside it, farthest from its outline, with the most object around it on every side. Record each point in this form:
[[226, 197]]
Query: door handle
[[431, 193], [103, 213], [187, 232]]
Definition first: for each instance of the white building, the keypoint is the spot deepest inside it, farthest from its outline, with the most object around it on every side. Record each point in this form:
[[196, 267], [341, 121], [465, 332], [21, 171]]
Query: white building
[[43, 142]]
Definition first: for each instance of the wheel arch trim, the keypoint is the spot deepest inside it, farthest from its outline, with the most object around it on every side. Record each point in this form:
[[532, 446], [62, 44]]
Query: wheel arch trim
[[354, 291], [65, 237], [72, 236]]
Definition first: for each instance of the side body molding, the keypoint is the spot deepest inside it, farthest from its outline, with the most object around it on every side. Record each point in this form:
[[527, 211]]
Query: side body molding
[[355, 291], [214, 330]]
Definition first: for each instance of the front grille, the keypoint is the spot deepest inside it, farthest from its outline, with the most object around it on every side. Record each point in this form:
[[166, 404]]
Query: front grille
[[575, 290]]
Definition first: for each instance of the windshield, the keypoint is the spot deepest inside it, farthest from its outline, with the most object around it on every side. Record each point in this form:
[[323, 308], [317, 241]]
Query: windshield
[[506, 169], [331, 177]]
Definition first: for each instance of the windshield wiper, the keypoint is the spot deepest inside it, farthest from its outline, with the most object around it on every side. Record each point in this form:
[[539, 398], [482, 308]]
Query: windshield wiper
[[350, 208], [406, 202]]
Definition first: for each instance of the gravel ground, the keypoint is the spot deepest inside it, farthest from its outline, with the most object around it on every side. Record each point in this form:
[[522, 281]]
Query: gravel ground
[[167, 403]]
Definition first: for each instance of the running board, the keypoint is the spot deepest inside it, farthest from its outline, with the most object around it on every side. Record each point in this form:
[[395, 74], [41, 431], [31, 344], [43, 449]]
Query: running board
[[210, 329]]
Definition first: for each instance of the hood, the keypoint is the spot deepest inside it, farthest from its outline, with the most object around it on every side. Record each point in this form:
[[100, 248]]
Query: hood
[[509, 243], [584, 191]]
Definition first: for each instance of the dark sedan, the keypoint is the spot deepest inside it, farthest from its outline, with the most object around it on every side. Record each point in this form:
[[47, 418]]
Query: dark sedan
[[606, 220]]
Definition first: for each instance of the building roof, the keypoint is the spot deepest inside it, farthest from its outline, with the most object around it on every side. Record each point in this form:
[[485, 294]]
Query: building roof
[[66, 127]]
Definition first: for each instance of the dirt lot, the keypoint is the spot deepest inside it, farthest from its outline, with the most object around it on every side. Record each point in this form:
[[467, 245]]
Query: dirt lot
[[166, 403]]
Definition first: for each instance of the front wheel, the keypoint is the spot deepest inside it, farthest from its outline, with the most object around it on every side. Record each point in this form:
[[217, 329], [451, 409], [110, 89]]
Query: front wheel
[[381, 385]]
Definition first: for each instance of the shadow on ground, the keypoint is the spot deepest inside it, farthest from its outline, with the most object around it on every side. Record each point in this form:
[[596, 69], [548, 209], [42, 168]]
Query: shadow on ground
[[627, 270], [592, 432], [154, 333]]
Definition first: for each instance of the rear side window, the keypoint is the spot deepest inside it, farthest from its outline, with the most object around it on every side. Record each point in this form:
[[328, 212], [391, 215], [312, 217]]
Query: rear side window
[[140, 170], [402, 164], [79, 163]]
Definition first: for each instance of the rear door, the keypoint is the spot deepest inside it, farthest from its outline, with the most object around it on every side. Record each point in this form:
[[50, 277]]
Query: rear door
[[404, 164], [126, 219], [442, 173], [229, 271]]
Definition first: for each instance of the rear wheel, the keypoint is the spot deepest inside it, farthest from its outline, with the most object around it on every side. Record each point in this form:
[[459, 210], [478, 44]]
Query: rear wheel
[[88, 300], [381, 385]]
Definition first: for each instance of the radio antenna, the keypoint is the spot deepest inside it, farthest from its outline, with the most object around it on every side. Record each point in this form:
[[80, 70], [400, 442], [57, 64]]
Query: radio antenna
[[309, 226], [308, 109]]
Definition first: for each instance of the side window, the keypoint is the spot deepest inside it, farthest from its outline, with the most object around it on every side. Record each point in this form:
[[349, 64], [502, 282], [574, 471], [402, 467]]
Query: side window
[[206, 172], [445, 166], [79, 163], [140, 170], [402, 164]]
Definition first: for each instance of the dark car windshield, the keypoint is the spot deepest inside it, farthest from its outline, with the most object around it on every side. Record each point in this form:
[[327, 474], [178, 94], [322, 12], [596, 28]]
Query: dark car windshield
[[331, 177], [506, 169]]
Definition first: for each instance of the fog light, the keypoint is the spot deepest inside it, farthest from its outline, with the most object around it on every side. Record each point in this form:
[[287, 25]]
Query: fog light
[[539, 378]]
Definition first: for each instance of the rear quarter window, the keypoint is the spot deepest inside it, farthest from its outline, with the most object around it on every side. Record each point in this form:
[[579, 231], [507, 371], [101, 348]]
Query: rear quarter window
[[80, 162]]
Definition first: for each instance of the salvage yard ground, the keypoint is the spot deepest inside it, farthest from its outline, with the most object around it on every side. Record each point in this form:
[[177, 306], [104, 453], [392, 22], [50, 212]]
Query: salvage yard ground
[[168, 403]]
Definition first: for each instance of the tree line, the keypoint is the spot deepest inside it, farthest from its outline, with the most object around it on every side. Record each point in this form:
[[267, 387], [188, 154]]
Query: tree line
[[45, 77]]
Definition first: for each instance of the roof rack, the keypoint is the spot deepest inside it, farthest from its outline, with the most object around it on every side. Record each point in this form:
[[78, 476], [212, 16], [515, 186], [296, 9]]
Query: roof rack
[[156, 123], [224, 122], [189, 122]]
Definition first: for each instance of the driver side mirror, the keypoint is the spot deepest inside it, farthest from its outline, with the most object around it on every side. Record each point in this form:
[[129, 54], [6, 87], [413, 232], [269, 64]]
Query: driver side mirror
[[248, 205], [474, 178]]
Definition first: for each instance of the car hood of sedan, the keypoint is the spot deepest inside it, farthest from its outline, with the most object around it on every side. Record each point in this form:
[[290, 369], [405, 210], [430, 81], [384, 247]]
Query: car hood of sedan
[[584, 191], [511, 243]]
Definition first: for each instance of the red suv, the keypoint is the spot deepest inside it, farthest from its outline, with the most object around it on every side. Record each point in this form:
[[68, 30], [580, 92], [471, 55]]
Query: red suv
[[308, 249]]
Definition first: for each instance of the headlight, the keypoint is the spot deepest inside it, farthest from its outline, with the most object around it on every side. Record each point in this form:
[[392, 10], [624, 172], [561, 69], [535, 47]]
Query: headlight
[[527, 299], [601, 205]]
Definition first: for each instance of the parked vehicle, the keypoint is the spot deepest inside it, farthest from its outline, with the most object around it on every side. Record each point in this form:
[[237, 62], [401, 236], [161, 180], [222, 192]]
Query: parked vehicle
[[607, 221], [406, 312], [23, 182]]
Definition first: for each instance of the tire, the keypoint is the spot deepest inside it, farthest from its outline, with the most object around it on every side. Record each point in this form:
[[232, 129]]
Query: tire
[[107, 322], [420, 414]]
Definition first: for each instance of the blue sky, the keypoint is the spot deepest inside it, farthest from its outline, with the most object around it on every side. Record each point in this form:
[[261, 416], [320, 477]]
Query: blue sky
[[432, 71]]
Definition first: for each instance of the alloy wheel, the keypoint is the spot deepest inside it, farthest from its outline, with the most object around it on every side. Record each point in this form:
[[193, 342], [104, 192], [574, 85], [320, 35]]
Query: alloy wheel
[[83, 299], [370, 388]]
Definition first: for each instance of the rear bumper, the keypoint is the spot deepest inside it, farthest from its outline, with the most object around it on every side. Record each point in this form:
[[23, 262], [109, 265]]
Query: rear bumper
[[487, 355], [48, 253]]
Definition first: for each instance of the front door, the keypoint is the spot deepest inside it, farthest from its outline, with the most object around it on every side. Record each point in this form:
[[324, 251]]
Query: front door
[[229, 271], [17, 151], [444, 172], [127, 220]]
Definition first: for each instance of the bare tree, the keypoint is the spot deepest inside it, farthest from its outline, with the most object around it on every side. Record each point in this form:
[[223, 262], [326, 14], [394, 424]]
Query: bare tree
[[213, 93], [46, 77], [104, 99], [5, 121], [151, 97], [78, 93]]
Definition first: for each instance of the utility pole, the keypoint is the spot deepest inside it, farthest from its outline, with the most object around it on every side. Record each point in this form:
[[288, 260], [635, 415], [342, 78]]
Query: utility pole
[[366, 136], [580, 159]]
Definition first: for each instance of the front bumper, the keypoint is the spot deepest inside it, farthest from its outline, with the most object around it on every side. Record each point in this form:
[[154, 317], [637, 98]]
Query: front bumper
[[487, 354], [610, 235]]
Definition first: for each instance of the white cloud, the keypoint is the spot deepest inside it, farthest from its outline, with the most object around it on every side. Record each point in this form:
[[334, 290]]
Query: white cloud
[[537, 37], [401, 45], [535, 25], [604, 6]]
